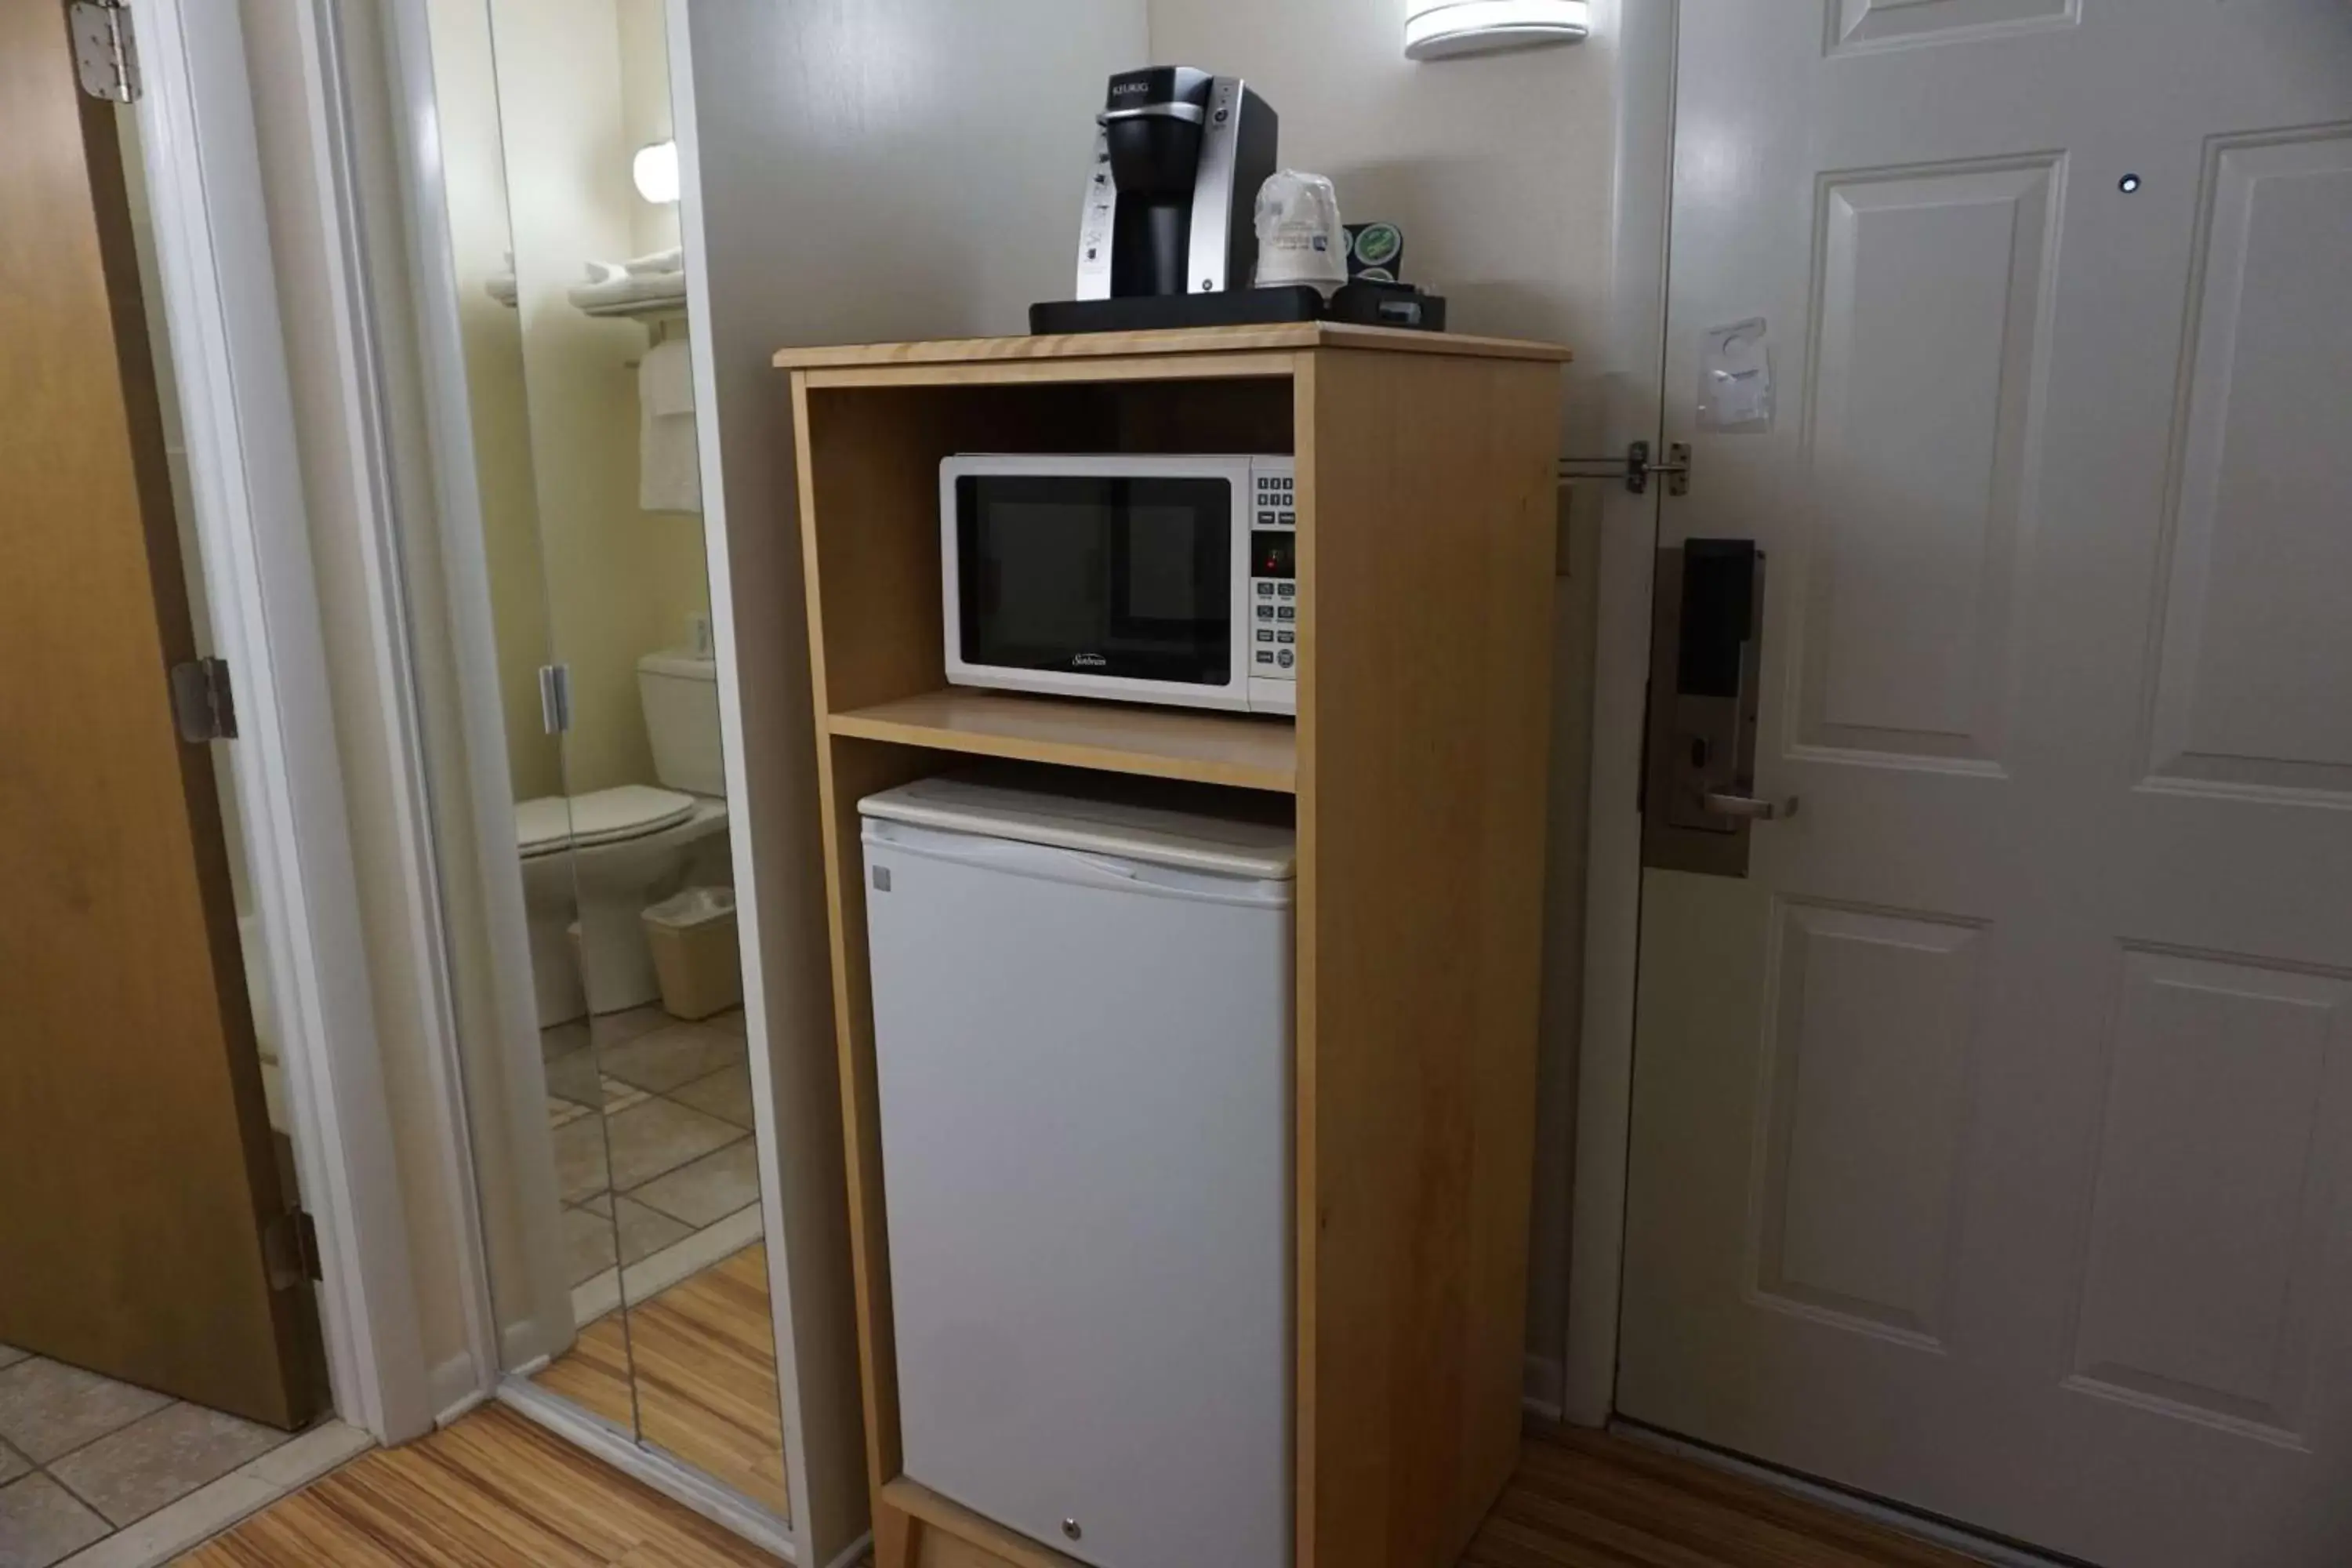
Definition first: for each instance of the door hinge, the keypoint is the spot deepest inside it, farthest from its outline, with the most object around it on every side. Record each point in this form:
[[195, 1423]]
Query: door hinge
[[202, 705], [555, 698], [290, 1245], [106, 51], [1677, 468]]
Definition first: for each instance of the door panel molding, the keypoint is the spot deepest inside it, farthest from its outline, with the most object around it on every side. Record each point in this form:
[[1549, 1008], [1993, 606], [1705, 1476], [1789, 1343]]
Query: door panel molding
[[2207, 1229], [1859, 1119], [1896, 650], [2253, 653], [1858, 25]]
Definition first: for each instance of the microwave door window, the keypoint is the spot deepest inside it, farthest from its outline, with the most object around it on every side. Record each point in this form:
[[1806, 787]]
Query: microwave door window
[[1044, 582], [1115, 577], [1169, 580]]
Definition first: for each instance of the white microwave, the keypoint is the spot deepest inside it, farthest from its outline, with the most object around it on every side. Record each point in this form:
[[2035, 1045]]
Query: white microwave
[[1136, 578]]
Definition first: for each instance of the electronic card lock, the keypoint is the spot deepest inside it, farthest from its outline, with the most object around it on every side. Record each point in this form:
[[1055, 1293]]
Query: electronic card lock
[[1706, 650]]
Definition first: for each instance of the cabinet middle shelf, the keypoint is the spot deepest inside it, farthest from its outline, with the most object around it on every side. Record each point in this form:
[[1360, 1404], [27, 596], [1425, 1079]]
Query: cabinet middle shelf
[[1247, 752]]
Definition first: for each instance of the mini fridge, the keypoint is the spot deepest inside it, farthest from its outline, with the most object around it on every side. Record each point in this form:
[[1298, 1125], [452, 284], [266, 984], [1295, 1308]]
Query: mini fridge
[[1082, 1019]]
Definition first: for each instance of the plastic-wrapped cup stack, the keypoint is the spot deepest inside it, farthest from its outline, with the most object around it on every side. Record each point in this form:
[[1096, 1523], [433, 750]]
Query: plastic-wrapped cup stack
[[1300, 236]]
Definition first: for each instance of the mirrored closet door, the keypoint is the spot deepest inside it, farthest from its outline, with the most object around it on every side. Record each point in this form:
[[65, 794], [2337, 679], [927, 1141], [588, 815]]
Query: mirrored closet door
[[613, 1122]]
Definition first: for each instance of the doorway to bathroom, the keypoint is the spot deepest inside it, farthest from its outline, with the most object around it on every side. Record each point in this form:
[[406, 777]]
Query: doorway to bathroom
[[607, 1069]]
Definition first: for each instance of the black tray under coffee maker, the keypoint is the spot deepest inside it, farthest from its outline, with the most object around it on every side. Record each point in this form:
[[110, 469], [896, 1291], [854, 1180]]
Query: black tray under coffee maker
[[1361, 303]]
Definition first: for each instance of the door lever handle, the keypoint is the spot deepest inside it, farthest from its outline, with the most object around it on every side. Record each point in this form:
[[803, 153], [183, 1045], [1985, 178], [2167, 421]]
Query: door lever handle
[[1749, 808]]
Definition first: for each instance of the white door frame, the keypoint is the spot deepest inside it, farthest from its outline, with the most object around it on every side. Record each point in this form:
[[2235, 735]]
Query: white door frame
[[1640, 207], [212, 252], [367, 393], [545, 1326]]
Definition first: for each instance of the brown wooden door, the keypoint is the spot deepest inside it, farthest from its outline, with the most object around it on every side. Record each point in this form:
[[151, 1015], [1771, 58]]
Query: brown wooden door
[[136, 1168]]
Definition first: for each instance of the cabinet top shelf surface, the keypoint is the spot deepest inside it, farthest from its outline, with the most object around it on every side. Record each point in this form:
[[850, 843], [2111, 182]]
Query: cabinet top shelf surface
[[1277, 337]]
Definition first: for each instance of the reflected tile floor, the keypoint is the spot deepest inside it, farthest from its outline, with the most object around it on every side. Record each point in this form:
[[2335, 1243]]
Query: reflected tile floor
[[672, 1154], [83, 1457], [668, 1174]]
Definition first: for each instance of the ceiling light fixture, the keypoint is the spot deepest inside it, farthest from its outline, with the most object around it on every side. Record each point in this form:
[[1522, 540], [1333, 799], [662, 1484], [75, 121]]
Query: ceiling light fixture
[[1440, 30]]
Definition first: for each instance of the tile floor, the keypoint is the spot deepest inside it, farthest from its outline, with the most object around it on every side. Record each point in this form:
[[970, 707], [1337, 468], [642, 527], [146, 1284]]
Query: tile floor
[[82, 1456], [671, 1155]]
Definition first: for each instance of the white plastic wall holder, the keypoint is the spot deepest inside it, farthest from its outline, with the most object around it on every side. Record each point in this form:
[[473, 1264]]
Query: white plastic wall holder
[[1441, 29]]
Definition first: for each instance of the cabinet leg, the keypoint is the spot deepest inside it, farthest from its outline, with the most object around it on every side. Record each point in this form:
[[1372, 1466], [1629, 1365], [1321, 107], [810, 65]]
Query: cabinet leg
[[895, 1537]]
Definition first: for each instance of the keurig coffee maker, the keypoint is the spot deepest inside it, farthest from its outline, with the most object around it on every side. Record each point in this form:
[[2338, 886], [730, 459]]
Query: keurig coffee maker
[[1168, 236], [1178, 163]]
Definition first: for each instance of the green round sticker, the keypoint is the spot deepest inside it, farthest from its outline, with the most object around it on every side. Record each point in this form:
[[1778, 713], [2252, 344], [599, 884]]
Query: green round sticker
[[1377, 244]]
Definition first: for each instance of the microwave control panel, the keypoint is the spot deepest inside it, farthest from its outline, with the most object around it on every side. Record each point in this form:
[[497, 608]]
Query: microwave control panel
[[1273, 647]]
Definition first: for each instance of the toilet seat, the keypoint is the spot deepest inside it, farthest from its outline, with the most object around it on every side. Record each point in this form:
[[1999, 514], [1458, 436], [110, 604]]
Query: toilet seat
[[602, 816]]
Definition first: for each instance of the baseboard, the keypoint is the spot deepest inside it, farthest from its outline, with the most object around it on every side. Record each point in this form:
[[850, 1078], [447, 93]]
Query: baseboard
[[455, 1386], [1543, 1385]]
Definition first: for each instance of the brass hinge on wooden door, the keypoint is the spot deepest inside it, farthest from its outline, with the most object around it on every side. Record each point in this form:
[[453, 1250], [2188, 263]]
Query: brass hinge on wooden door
[[106, 50], [290, 1246]]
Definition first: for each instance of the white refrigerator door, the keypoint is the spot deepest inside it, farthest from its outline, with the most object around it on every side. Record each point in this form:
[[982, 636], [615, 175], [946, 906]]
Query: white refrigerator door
[[1086, 1107]]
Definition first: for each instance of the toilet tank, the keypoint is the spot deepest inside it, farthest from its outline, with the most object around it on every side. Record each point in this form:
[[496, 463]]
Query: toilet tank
[[680, 691]]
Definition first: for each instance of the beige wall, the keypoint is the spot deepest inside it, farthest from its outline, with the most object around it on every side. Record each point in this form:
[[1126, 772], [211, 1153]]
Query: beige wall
[[646, 115], [466, 94], [578, 573], [1498, 167], [1499, 170], [620, 582]]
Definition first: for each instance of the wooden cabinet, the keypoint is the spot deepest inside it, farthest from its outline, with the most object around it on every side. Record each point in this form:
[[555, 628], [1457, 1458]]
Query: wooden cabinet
[[1426, 500]]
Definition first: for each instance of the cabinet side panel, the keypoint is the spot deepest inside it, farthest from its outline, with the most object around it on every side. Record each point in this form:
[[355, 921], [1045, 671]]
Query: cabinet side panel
[[871, 498], [847, 771], [1428, 528]]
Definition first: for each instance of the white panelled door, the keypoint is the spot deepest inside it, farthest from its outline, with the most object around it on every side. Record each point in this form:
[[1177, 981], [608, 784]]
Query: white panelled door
[[1992, 1139]]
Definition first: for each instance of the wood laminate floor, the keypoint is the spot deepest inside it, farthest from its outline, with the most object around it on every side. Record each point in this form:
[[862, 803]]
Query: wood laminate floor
[[706, 1376], [494, 1492], [1584, 1499]]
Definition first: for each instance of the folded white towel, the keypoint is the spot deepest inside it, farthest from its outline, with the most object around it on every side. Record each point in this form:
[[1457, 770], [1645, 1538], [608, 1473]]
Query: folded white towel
[[660, 264], [627, 291], [669, 466]]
